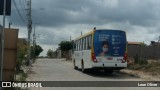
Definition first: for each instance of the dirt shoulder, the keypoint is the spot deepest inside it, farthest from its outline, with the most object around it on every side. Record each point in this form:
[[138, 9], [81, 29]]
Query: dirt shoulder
[[149, 71]]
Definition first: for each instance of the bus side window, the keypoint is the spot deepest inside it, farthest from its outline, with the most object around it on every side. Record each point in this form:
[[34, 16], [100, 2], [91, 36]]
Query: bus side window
[[75, 45], [87, 46], [86, 43], [80, 44], [84, 48], [83, 43], [89, 41]]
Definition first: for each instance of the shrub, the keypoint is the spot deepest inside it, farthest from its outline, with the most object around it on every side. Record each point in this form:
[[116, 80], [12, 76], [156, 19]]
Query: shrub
[[140, 60]]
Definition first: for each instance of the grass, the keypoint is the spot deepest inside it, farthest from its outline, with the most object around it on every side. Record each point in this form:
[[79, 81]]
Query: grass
[[153, 67], [23, 76], [140, 60]]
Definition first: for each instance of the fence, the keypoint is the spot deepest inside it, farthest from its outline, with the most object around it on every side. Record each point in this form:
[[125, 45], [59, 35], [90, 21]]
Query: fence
[[152, 52]]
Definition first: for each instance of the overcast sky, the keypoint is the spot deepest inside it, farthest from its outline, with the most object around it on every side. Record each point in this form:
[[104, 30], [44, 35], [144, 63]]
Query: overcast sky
[[57, 20]]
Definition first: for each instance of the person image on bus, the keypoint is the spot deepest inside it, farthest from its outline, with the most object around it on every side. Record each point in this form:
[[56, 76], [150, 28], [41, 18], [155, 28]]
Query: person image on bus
[[105, 46]]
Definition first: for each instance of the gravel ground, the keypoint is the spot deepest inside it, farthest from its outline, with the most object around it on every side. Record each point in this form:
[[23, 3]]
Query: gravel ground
[[61, 70]]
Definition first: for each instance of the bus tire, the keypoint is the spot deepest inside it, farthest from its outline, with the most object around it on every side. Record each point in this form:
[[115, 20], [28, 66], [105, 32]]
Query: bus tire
[[109, 71], [74, 65], [82, 67]]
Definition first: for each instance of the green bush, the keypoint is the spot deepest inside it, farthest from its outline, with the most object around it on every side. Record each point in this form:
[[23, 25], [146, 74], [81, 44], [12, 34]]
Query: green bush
[[143, 61], [23, 76], [20, 58], [140, 60]]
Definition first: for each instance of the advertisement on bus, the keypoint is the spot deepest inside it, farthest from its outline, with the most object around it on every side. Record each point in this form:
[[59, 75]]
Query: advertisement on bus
[[109, 43]]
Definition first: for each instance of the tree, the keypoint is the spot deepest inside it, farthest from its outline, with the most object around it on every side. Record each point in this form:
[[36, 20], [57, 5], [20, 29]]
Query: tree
[[36, 51], [143, 44], [66, 46], [21, 52], [50, 53]]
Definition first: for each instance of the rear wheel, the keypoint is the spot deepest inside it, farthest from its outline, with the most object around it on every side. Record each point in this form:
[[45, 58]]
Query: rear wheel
[[74, 65], [82, 67]]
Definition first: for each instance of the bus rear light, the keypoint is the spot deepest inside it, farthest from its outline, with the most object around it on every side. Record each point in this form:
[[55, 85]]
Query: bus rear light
[[94, 58], [125, 58]]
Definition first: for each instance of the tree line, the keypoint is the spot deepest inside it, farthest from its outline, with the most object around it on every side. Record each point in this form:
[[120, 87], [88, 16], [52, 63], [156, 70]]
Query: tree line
[[64, 46]]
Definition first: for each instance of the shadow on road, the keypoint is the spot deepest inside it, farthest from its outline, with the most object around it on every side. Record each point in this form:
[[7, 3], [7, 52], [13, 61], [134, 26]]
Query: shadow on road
[[114, 75]]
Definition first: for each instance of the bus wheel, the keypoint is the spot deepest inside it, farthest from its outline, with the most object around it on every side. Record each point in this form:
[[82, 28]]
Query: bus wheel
[[82, 67], [109, 71], [74, 65]]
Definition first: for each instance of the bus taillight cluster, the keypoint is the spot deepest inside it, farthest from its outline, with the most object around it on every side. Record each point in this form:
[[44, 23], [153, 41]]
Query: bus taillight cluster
[[94, 57], [124, 58]]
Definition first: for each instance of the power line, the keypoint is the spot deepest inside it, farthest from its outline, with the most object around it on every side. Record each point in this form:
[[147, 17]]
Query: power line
[[18, 19], [23, 8], [21, 17], [24, 3]]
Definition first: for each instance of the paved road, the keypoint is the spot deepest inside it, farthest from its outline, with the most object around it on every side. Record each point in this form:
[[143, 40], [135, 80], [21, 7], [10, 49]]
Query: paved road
[[60, 70]]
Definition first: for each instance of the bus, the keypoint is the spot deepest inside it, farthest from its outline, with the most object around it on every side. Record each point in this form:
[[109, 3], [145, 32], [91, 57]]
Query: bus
[[103, 49]]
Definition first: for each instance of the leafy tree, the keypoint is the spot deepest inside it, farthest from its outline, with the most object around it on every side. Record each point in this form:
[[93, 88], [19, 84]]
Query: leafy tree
[[143, 44], [36, 51], [66, 46], [50, 53]]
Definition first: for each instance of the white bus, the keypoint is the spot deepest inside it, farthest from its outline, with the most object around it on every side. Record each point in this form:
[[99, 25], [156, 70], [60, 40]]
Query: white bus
[[100, 49]]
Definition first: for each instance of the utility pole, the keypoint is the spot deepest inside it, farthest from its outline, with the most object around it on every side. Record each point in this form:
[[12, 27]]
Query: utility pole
[[34, 42], [10, 23], [29, 31], [70, 38], [2, 40]]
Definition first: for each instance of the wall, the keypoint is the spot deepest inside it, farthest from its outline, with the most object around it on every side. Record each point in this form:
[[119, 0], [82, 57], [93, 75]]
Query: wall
[[152, 52]]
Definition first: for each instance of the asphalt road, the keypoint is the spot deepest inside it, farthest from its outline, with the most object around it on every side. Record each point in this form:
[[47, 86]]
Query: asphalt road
[[61, 70]]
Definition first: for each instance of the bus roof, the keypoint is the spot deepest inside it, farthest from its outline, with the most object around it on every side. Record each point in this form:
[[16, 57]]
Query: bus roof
[[111, 30], [91, 32]]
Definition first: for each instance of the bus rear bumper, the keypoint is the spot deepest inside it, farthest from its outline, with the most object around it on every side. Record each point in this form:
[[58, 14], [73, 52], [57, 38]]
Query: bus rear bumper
[[115, 66]]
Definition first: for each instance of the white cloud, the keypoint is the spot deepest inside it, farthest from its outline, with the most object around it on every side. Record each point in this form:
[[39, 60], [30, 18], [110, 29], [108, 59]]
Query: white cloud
[[60, 19]]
